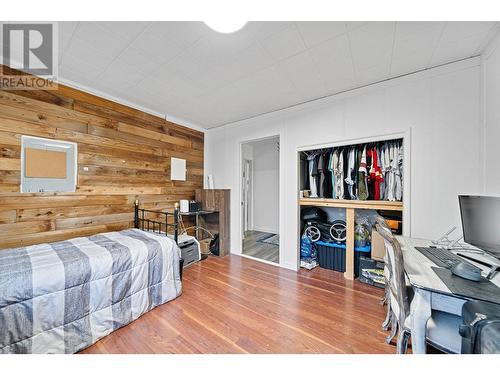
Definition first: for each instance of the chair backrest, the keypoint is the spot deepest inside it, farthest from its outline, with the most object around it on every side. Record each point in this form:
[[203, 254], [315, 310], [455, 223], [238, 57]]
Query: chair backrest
[[397, 282], [382, 225]]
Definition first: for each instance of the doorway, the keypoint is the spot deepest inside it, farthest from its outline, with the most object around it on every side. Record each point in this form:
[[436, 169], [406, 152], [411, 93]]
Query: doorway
[[260, 199]]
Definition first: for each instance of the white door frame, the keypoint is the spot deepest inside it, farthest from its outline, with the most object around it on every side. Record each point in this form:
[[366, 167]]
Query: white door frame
[[247, 196], [281, 199]]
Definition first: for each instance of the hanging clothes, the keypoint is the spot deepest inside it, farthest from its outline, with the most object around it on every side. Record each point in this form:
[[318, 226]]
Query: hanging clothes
[[338, 165], [370, 176], [331, 168], [350, 176], [304, 172], [371, 171], [355, 171], [321, 174], [317, 173], [386, 170], [391, 183], [399, 174], [378, 172], [312, 182], [312, 177], [345, 156], [381, 166], [328, 176], [362, 175]]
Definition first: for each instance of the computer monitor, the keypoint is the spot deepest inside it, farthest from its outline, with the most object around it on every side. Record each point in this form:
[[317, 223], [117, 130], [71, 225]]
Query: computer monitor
[[481, 222]]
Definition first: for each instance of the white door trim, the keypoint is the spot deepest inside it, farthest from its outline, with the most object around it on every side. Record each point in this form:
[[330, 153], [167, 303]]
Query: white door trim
[[239, 249]]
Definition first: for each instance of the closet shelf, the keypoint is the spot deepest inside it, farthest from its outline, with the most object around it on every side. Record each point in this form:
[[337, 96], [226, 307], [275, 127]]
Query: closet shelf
[[359, 204]]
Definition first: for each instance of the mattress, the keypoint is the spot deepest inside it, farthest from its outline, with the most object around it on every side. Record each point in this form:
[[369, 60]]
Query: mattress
[[62, 297]]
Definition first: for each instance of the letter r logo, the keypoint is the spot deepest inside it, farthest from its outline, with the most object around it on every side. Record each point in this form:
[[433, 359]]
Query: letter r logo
[[29, 47]]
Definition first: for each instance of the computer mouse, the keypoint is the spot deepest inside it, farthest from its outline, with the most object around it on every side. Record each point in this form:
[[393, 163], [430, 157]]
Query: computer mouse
[[466, 271]]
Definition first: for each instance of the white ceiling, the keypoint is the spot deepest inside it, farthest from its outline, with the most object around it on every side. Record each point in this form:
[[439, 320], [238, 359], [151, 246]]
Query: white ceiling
[[186, 70]]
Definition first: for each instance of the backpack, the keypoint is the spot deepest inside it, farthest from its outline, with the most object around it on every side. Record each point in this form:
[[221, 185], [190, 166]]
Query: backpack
[[480, 330], [214, 245]]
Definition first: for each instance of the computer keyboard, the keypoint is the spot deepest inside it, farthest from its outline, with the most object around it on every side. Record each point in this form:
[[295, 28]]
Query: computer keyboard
[[441, 257]]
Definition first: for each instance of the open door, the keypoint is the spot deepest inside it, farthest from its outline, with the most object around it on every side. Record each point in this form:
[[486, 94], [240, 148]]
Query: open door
[[260, 199], [246, 189]]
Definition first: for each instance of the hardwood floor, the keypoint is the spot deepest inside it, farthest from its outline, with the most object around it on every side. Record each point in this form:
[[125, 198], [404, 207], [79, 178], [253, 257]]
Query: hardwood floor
[[253, 247], [237, 305]]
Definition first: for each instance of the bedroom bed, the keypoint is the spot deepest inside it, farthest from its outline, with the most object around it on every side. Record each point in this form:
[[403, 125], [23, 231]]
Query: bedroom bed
[[64, 296]]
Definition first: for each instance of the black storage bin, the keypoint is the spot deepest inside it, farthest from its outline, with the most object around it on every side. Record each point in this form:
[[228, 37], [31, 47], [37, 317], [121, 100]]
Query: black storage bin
[[331, 255], [368, 263]]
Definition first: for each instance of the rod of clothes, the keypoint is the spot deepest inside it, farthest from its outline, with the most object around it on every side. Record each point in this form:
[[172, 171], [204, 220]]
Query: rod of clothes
[[367, 171]]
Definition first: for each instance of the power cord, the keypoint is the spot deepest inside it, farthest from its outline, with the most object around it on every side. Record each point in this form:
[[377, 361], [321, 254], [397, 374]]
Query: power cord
[[184, 230]]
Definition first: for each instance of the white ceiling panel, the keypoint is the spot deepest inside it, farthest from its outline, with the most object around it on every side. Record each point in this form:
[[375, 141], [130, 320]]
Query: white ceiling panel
[[124, 30], [88, 53], [120, 74], [66, 30], [372, 44], [105, 36], [461, 30], [140, 61], [334, 62], [156, 47], [285, 43], [314, 33], [188, 71], [308, 82], [416, 37], [410, 62]]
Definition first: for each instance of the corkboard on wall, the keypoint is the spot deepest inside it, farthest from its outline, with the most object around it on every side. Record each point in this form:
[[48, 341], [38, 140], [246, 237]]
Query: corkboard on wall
[[45, 163]]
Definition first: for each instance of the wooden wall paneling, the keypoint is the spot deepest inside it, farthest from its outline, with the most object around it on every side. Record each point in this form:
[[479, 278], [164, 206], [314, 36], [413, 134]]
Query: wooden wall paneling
[[58, 235], [31, 103], [33, 200], [11, 139], [104, 108], [10, 151], [26, 227], [8, 164], [79, 222], [8, 216], [124, 155], [59, 213], [42, 119]]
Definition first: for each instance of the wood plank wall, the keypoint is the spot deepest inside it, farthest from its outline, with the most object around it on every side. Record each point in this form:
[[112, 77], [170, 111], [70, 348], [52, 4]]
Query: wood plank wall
[[123, 154]]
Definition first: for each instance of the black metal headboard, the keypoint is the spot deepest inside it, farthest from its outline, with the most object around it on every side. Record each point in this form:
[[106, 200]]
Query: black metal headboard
[[141, 222]]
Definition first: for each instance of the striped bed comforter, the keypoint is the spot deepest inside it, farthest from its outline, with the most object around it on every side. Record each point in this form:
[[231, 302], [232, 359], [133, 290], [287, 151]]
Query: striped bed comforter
[[64, 296]]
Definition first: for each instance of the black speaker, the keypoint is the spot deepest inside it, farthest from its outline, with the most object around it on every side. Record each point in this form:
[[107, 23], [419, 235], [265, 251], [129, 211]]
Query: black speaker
[[194, 206]]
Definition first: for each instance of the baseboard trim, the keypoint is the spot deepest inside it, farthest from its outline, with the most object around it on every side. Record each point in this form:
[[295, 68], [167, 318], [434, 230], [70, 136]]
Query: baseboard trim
[[259, 260], [267, 230]]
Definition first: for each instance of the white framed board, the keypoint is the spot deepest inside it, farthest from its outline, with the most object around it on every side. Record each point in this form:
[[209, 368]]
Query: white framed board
[[48, 165]]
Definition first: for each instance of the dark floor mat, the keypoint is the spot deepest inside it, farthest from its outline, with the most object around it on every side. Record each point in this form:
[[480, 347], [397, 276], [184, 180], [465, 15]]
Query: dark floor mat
[[483, 290]]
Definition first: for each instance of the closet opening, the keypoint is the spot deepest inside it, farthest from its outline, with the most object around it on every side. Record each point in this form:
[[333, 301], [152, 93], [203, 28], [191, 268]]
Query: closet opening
[[344, 189], [260, 171]]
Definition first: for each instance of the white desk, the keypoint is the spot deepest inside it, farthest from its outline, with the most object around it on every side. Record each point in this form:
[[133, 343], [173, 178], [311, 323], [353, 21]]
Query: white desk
[[430, 292]]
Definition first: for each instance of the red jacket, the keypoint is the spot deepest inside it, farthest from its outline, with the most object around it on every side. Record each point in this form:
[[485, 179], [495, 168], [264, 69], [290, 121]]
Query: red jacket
[[375, 173]]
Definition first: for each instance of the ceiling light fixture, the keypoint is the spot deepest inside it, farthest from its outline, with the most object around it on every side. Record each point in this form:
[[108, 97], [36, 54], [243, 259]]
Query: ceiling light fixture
[[226, 25]]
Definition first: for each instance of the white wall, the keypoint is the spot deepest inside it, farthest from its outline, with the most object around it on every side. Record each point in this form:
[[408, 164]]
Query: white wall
[[491, 92], [441, 106], [265, 185], [247, 151]]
